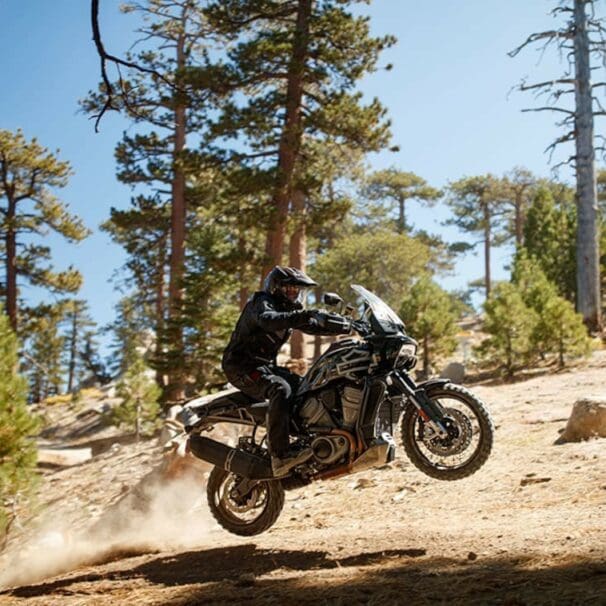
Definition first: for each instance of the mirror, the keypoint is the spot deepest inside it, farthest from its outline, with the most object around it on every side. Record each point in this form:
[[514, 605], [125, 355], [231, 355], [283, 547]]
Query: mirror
[[331, 298]]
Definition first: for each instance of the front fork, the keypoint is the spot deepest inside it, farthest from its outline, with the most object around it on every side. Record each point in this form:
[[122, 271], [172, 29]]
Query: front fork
[[431, 412]]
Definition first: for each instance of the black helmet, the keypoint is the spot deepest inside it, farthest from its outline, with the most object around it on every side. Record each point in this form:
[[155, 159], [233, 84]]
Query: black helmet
[[280, 277]]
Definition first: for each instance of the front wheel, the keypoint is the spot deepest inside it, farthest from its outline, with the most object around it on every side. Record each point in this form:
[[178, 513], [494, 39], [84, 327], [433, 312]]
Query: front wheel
[[242, 507], [470, 435]]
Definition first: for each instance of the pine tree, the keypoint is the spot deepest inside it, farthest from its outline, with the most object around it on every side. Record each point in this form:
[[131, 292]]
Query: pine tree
[[28, 175], [297, 64], [509, 323], [477, 205], [581, 40], [549, 236], [385, 262], [558, 328], [430, 317], [44, 352], [394, 187], [139, 409], [17, 427], [78, 330], [519, 189], [170, 95]]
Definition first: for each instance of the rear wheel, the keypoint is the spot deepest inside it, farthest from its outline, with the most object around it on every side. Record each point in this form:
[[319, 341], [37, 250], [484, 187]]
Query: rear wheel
[[243, 507], [470, 435]]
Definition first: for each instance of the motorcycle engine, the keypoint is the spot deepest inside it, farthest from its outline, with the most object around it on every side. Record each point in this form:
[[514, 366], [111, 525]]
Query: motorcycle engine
[[329, 449], [316, 410]]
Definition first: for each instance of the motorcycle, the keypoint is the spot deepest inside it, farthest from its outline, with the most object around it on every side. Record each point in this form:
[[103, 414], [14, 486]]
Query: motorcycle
[[345, 410]]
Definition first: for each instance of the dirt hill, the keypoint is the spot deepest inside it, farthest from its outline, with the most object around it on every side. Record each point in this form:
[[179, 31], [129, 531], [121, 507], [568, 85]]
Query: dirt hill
[[528, 528]]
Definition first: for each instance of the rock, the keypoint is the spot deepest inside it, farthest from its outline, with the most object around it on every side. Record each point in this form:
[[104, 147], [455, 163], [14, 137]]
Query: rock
[[65, 457], [526, 481], [587, 420], [362, 483], [471, 556], [455, 371]]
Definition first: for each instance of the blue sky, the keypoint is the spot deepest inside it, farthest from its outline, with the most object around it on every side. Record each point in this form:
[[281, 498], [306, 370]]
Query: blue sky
[[447, 97]]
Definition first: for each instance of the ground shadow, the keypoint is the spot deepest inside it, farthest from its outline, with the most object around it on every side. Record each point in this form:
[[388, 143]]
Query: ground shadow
[[241, 574]]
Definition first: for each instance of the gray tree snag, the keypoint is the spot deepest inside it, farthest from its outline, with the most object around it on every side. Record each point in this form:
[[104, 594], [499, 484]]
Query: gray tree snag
[[580, 40]]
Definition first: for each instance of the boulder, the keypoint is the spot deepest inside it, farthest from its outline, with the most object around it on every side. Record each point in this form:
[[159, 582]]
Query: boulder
[[587, 420], [455, 371], [63, 457]]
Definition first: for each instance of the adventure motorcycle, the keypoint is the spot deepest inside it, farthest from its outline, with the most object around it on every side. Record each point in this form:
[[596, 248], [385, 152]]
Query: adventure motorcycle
[[345, 410]]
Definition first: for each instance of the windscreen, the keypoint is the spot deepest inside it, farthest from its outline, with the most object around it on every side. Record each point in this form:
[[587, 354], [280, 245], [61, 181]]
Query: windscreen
[[382, 312]]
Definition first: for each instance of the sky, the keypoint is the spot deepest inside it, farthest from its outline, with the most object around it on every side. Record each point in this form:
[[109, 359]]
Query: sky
[[449, 97]]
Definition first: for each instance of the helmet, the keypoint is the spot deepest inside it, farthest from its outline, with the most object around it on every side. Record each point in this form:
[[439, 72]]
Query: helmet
[[280, 278]]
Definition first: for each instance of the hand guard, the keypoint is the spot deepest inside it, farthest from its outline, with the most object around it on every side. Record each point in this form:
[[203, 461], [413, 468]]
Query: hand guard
[[332, 323]]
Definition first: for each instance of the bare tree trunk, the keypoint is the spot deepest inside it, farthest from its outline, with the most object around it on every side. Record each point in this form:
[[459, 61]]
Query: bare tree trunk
[[587, 248], [290, 140], [298, 258], [11, 266], [487, 244], [176, 388]]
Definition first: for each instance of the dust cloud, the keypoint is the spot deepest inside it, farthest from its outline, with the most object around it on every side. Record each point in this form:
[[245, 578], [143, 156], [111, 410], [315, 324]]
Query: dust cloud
[[157, 515]]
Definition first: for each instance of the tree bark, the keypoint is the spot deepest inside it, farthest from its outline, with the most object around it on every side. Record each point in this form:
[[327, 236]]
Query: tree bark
[[176, 387], [297, 258], [587, 246], [290, 139], [159, 305]]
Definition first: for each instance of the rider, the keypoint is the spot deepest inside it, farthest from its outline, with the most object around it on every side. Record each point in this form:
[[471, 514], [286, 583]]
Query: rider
[[249, 361]]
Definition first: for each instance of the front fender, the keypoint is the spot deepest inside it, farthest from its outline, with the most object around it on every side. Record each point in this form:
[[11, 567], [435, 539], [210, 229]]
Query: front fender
[[427, 385]]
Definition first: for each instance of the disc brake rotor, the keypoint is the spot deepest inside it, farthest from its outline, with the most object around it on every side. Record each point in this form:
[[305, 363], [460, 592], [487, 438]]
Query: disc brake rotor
[[460, 432], [237, 504]]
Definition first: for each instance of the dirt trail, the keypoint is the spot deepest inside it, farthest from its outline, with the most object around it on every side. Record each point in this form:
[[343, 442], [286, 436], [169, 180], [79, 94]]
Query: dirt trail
[[529, 528]]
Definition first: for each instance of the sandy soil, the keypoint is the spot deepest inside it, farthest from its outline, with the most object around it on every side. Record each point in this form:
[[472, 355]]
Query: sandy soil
[[528, 528]]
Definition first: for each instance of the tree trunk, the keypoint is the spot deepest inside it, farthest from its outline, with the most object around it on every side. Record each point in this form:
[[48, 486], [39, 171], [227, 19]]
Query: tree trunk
[[587, 247], [159, 306], [11, 266], [290, 139], [487, 243], [72, 350], [176, 387], [298, 258]]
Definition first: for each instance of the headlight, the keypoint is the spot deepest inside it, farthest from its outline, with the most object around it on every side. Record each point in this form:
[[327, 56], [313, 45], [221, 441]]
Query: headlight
[[407, 350], [407, 358]]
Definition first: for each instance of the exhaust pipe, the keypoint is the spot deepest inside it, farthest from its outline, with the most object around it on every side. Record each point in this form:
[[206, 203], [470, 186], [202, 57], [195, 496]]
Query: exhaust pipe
[[234, 460]]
